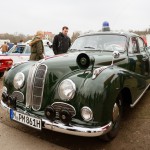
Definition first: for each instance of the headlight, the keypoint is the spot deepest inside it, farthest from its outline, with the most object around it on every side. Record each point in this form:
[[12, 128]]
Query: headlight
[[66, 89], [19, 80], [86, 113], [4, 90]]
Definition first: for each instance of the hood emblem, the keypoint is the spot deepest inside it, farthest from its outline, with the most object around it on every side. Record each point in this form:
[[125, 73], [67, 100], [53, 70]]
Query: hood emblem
[[97, 71]]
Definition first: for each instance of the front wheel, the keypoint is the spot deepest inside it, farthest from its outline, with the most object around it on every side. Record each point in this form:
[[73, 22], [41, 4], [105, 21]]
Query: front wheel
[[116, 119], [1, 74]]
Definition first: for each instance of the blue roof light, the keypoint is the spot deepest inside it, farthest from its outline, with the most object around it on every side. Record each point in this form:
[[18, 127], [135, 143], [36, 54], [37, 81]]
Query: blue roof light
[[105, 24]]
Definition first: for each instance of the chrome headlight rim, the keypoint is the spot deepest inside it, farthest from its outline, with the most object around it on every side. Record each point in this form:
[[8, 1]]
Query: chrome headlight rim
[[64, 97], [91, 113], [4, 89], [17, 86]]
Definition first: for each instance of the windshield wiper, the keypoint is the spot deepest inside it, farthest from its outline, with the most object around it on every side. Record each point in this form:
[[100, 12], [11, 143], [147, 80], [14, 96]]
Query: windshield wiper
[[89, 47]]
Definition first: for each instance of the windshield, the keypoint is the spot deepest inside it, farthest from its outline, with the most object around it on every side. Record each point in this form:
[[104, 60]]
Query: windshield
[[17, 49], [100, 42], [26, 49]]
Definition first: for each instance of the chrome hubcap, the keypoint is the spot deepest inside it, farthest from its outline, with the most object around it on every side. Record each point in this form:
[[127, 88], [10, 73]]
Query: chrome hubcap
[[115, 112], [63, 117]]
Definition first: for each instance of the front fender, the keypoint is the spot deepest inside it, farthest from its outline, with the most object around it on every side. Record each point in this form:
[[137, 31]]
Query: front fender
[[99, 94]]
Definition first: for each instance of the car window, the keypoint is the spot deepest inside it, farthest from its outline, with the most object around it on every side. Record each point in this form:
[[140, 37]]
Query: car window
[[27, 50], [17, 49], [100, 42], [141, 44], [133, 45], [12, 49]]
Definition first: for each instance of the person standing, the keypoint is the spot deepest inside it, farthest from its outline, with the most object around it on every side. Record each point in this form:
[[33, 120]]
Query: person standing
[[37, 48], [4, 48], [61, 42]]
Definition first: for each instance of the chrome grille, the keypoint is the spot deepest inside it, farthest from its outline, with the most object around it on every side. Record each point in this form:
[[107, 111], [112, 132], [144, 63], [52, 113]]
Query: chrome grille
[[38, 87], [29, 85], [18, 95], [58, 106]]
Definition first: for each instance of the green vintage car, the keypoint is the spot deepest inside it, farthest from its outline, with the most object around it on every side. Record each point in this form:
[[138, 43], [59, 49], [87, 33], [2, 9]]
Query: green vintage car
[[83, 92]]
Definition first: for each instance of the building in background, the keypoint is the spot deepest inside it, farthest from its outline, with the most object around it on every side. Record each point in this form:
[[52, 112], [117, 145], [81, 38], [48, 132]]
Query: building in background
[[49, 36]]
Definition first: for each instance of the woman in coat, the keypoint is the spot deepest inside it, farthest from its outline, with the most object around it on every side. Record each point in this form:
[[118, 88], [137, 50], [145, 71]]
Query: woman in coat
[[37, 48]]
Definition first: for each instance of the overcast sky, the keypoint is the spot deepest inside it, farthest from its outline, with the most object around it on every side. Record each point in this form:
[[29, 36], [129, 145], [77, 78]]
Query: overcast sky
[[28, 16]]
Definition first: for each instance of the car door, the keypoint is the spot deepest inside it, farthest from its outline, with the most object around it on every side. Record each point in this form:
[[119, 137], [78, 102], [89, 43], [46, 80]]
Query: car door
[[145, 56], [138, 57]]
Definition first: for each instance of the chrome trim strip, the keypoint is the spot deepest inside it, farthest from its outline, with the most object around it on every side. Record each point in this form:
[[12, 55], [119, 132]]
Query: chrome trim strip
[[4, 106], [132, 105], [65, 104], [71, 129], [77, 130], [29, 86], [30, 82], [38, 87]]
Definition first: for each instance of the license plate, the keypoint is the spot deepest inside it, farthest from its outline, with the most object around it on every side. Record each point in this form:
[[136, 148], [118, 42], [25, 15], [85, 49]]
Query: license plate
[[26, 119]]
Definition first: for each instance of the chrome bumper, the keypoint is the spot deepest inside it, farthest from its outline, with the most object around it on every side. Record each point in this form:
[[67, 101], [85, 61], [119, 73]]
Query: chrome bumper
[[71, 129]]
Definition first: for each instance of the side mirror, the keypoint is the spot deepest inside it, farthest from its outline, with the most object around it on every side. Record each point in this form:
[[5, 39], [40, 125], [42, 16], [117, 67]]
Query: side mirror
[[116, 54], [84, 61]]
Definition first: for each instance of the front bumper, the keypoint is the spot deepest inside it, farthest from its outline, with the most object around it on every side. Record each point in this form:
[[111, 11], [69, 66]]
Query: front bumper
[[71, 129]]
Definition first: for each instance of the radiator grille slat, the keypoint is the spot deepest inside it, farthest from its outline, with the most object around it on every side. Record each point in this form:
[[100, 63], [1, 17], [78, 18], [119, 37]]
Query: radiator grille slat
[[35, 85], [38, 87]]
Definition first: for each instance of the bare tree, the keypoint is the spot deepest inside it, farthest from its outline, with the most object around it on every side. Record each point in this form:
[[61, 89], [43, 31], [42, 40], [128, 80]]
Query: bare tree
[[75, 36], [15, 37]]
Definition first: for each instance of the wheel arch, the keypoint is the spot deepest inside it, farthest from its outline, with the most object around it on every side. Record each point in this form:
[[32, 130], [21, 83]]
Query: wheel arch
[[127, 96]]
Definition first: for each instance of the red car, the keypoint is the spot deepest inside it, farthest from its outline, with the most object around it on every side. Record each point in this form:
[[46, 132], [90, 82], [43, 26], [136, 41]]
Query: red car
[[5, 64]]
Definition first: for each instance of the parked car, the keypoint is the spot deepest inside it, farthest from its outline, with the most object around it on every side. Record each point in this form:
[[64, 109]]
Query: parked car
[[5, 64], [83, 92], [22, 52]]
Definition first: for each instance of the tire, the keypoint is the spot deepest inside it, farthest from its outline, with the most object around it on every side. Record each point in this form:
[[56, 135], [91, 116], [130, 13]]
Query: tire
[[116, 122], [1, 74]]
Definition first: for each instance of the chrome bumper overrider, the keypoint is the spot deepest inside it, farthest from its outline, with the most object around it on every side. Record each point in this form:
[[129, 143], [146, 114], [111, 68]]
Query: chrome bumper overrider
[[71, 129]]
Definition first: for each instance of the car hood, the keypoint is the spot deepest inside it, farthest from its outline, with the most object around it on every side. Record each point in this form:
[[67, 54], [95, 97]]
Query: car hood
[[63, 64]]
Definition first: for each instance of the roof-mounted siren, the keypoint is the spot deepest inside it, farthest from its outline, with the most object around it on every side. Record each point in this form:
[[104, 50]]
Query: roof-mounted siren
[[105, 26]]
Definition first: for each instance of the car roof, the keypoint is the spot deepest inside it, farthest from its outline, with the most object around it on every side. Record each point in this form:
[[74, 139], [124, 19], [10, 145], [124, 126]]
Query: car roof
[[127, 34]]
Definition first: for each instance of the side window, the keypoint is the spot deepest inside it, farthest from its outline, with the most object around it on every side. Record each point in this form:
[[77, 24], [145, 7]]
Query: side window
[[133, 46], [27, 51], [141, 44]]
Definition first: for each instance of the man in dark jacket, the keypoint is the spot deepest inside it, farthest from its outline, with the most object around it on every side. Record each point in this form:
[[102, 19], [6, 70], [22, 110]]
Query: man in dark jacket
[[37, 48], [61, 42]]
